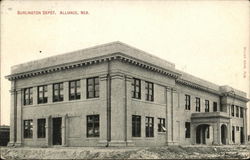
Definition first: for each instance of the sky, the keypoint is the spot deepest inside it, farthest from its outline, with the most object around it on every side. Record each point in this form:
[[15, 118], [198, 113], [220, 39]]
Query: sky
[[207, 39]]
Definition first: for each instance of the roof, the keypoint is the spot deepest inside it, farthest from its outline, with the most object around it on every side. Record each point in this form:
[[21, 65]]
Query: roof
[[92, 52]]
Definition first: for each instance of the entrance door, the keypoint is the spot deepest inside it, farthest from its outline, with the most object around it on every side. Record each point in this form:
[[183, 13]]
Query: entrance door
[[223, 134], [57, 137], [241, 135]]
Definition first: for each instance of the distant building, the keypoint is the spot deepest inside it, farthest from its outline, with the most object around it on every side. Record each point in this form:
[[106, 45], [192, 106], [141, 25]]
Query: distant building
[[4, 135], [117, 95]]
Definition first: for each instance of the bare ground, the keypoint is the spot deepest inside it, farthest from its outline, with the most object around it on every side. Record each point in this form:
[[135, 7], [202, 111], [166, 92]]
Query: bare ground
[[166, 152]]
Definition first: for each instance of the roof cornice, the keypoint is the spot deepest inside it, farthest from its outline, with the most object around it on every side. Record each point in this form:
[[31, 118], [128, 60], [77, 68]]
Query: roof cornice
[[197, 86], [115, 56]]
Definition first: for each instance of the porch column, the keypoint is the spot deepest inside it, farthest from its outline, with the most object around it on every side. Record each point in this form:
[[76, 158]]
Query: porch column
[[215, 134], [219, 133]]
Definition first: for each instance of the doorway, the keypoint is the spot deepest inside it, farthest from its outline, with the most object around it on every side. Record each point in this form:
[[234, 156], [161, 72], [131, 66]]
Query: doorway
[[241, 135], [57, 131], [202, 133], [224, 134]]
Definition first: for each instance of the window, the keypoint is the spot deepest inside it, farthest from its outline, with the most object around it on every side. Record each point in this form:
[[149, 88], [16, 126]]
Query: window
[[93, 87], [187, 102], [233, 134], [161, 125], [215, 106], [28, 128], [232, 110], [187, 129], [93, 126], [206, 105], [136, 88], [198, 104], [41, 131], [149, 127], [241, 112], [42, 94], [28, 96], [57, 92], [136, 126], [74, 90], [149, 91], [237, 128], [237, 111]]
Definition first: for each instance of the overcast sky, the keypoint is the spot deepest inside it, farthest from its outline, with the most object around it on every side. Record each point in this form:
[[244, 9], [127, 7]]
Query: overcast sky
[[203, 38]]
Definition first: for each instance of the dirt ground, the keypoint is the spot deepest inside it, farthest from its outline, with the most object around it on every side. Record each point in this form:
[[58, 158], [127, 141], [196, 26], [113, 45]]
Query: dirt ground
[[166, 152]]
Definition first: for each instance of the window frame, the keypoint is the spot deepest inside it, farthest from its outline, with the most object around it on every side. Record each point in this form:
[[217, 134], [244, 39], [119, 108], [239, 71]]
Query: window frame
[[43, 98], [60, 96], [149, 127], [136, 88], [136, 126], [93, 127], [187, 102], [94, 85], [215, 107], [41, 128], [237, 112], [237, 128], [28, 100], [149, 87], [28, 129], [161, 124], [241, 112], [232, 111], [207, 105], [77, 90], [197, 104], [187, 129]]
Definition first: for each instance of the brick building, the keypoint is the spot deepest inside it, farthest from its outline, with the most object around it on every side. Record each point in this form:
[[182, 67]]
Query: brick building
[[117, 95]]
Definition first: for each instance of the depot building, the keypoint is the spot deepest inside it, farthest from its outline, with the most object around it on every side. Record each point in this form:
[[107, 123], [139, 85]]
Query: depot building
[[117, 95]]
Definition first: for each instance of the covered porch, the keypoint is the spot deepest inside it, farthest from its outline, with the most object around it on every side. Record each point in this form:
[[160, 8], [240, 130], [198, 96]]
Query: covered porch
[[210, 128]]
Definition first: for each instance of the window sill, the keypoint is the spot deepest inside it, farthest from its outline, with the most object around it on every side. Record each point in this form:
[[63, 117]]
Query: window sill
[[149, 102], [92, 138], [162, 133], [62, 102]]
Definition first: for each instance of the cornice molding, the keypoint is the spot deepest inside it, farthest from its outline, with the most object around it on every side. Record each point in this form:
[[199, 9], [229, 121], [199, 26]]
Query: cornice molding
[[97, 60], [197, 86]]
